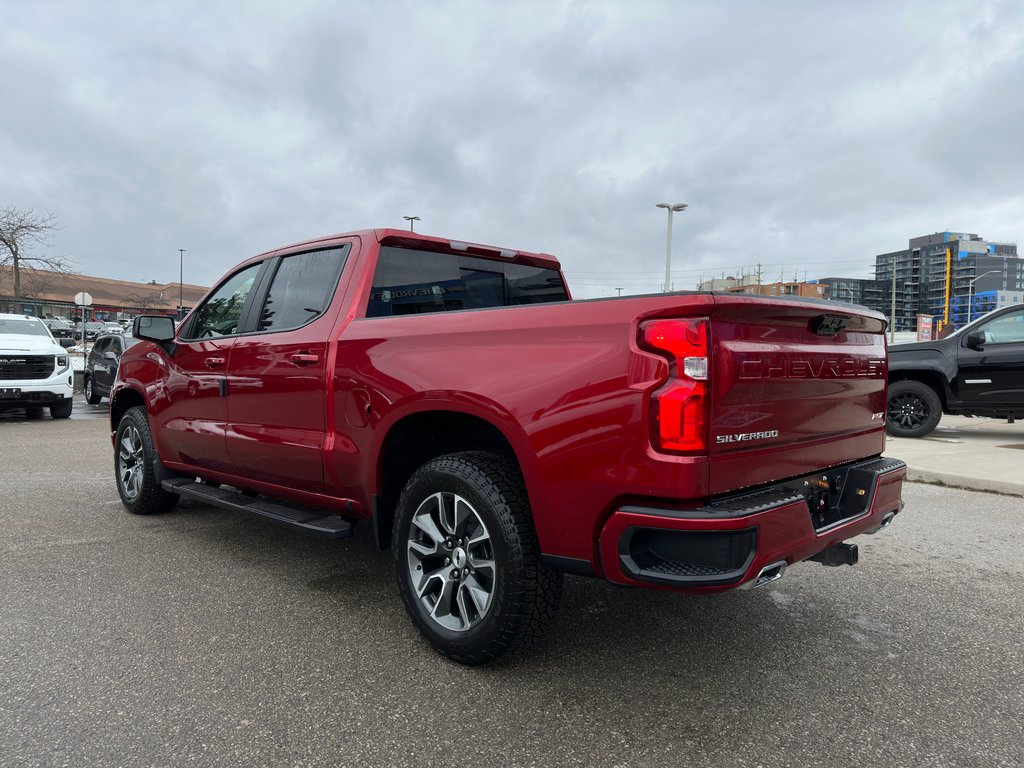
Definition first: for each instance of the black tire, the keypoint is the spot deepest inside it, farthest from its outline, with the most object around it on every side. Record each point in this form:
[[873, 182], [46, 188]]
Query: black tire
[[90, 394], [62, 410], [524, 593], [913, 409], [134, 457]]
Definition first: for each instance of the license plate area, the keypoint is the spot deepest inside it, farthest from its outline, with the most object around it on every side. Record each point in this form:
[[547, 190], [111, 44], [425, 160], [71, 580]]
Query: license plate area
[[836, 496], [10, 393]]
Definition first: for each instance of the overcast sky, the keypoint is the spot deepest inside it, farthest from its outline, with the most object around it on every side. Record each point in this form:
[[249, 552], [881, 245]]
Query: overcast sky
[[807, 136]]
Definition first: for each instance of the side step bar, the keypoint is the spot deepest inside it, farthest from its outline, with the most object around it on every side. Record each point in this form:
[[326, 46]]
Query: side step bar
[[312, 521]]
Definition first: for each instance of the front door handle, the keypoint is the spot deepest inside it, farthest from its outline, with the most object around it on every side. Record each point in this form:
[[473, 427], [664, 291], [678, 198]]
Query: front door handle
[[214, 362], [304, 359]]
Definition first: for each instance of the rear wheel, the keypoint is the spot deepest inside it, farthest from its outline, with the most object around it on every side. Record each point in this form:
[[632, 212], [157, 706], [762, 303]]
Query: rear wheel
[[90, 394], [467, 559], [913, 409], [134, 459]]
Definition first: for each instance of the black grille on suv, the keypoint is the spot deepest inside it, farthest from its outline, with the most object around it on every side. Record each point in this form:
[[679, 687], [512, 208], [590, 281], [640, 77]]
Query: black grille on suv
[[25, 367]]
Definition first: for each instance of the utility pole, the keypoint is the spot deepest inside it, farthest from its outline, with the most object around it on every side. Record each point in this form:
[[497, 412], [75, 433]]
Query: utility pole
[[619, 290], [671, 208], [411, 219], [181, 277], [759, 273]]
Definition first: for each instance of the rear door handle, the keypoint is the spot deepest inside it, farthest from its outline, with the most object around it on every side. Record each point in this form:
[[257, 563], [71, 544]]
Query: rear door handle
[[304, 359], [214, 362]]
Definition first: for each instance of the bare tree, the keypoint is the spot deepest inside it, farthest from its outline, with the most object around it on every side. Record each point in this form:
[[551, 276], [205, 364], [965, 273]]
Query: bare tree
[[19, 232]]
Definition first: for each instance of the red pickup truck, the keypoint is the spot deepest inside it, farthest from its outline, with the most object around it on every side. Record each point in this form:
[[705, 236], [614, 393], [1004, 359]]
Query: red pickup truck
[[497, 434]]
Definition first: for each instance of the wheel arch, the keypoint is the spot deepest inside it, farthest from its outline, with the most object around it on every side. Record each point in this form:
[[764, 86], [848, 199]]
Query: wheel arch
[[932, 379], [418, 437], [120, 402]]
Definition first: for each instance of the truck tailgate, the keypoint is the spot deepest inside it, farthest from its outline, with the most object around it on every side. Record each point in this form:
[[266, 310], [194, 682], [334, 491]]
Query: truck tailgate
[[796, 386]]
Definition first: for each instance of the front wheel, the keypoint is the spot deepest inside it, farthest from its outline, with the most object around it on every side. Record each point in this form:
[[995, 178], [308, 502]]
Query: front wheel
[[913, 409], [90, 394], [62, 410], [134, 459], [467, 559]]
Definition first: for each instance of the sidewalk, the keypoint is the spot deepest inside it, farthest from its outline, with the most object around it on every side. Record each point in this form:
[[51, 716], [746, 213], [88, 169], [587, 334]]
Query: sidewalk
[[978, 454]]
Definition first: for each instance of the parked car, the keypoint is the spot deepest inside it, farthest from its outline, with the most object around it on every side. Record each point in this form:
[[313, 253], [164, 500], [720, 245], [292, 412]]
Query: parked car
[[92, 330], [110, 327], [977, 371], [59, 327], [101, 365], [497, 434], [35, 371]]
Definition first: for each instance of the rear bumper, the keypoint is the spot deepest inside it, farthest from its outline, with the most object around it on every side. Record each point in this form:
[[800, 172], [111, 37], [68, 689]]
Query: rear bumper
[[729, 542]]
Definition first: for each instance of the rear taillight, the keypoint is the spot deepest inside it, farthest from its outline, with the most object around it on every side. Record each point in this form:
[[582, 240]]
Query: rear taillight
[[679, 407]]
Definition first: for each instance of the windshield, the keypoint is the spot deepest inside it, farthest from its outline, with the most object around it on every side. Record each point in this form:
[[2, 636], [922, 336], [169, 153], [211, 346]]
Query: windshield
[[24, 327]]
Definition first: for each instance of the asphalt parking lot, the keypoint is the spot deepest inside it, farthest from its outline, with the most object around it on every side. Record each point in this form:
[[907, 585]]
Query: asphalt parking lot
[[205, 638]]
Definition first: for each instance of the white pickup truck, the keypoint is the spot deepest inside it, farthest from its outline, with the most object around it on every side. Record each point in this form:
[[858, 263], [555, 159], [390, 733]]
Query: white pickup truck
[[35, 371]]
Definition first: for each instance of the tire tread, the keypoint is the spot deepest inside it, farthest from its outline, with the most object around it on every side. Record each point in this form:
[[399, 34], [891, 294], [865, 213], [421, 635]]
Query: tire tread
[[537, 588]]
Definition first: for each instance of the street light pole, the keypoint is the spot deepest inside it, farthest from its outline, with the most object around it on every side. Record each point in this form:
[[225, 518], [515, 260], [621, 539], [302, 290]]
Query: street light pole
[[671, 208], [181, 275], [970, 291], [411, 219]]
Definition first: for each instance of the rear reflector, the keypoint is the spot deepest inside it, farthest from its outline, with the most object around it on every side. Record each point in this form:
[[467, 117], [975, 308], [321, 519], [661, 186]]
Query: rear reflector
[[679, 408]]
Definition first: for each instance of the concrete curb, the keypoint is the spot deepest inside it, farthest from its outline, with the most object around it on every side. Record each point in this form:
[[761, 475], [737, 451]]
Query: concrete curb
[[966, 483]]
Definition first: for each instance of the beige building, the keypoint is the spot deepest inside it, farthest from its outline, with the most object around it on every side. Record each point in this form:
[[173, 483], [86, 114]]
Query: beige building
[[50, 294]]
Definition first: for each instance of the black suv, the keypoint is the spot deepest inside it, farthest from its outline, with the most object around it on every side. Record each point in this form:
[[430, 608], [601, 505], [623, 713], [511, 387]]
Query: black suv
[[92, 330], [101, 367], [977, 371], [60, 328]]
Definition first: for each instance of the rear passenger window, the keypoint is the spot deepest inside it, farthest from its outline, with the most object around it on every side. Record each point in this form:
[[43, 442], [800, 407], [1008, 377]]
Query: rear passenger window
[[302, 289], [410, 282]]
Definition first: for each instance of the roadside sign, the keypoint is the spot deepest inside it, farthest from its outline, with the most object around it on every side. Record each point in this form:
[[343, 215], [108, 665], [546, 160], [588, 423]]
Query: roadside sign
[[83, 299], [924, 328]]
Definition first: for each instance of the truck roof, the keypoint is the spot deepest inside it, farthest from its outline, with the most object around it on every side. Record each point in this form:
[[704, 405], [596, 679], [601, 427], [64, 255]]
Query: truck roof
[[403, 238]]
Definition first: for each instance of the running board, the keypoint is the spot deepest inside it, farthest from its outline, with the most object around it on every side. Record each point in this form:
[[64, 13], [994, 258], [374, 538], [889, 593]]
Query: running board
[[313, 521]]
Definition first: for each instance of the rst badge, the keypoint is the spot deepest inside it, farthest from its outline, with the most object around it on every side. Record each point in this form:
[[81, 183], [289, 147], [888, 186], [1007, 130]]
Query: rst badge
[[744, 437]]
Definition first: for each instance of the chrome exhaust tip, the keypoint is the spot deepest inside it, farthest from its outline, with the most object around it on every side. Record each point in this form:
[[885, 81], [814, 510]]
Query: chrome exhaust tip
[[886, 522], [768, 574]]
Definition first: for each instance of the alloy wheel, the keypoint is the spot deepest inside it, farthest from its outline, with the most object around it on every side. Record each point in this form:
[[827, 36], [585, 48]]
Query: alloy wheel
[[451, 561], [907, 410], [130, 462]]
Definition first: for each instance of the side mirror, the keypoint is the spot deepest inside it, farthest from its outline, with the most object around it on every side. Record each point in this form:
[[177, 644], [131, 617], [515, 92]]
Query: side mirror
[[975, 339], [156, 328], [66, 342]]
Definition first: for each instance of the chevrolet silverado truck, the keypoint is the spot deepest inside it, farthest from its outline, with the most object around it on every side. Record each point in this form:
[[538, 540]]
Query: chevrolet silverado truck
[[977, 371], [497, 434], [35, 371]]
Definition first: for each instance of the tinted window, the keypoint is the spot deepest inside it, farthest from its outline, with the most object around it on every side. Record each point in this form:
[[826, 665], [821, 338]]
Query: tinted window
[[219, 314], [409, 282], [101, 346], [302, 288]]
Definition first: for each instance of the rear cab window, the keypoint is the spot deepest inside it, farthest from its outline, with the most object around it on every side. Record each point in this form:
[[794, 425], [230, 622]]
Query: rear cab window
[[412, 282]]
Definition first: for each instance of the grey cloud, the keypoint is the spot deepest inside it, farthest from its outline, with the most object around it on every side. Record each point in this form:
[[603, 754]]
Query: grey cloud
[[807, 135]]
